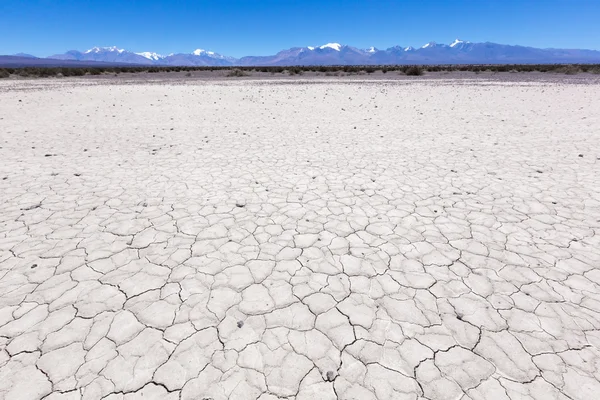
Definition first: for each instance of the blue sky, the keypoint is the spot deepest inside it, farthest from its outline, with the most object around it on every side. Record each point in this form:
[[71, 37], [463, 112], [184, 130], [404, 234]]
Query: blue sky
[[262, 27]]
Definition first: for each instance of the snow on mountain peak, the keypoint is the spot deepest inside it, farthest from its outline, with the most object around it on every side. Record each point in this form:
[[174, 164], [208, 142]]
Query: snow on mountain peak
[[430, 44], [101, 49], [409, 48], [150, 55], [199, 52], [334, 46], [310, 47], [371, 50], [457, 42]]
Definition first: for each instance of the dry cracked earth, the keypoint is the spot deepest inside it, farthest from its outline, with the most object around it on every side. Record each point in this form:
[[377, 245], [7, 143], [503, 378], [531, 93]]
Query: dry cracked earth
[[299, 240]]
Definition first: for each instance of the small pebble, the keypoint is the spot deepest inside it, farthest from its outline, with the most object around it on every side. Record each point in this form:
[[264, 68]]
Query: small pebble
[[330, 376]]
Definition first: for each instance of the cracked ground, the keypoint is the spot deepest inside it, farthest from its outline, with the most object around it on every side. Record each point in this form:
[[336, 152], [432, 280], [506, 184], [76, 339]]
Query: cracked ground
[[278, 240]]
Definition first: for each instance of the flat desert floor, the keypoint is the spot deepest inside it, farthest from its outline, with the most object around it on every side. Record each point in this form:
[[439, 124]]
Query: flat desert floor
[[322, 239]]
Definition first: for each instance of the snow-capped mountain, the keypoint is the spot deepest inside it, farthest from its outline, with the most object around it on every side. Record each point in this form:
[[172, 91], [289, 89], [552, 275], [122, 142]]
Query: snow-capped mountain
[[97, 50], [151, 56], [334, 46], [457, 52], [429, 45], [199, 52], [459, 44], [211, 54], [327, 54], [198, 57], [105, 54]]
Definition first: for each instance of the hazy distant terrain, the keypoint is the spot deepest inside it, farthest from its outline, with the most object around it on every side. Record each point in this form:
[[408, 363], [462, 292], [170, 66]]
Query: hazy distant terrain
[[457, 52]]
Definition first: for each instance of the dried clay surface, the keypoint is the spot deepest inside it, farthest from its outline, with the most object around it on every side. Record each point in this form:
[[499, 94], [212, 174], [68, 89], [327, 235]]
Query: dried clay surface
[[269, 240]]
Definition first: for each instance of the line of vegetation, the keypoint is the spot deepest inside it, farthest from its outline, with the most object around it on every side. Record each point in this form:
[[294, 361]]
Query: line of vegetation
[[237, 72], [329, 70]]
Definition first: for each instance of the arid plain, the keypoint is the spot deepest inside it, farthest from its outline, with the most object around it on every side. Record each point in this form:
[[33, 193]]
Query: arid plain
[[300, 239]]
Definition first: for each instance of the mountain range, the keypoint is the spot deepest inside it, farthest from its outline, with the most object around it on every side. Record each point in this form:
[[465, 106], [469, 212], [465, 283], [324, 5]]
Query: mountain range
[[457, 52]]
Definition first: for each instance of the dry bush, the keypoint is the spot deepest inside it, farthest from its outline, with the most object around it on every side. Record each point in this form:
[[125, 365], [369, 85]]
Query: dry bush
[[236, 72], [569, 70], [414, 71]]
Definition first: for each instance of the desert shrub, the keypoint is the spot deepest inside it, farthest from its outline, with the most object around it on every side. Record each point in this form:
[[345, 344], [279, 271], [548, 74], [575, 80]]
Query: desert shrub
[[569, 70], [77, 72], [414, 71], [369, 70], [188, 74], [295, 71], [46, 72], [588, 68], [236, 72], [4, 73]]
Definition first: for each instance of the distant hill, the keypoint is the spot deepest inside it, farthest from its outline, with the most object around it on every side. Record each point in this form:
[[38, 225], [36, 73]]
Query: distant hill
[[24, 55]]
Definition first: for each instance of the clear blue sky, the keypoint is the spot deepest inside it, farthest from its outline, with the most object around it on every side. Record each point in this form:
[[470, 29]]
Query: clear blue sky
[[262, 27]]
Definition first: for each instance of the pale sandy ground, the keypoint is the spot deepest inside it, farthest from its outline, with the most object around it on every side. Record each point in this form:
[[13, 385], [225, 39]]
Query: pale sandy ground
[[262, 240]]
